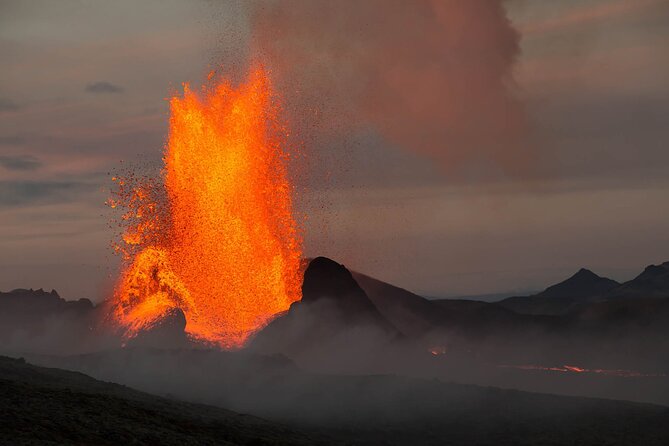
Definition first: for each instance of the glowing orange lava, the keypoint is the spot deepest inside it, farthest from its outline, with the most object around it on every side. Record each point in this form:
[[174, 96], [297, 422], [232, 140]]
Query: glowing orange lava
[[216, 238]]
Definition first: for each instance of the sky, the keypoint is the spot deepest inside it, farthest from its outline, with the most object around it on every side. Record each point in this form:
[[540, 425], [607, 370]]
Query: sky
[[488, 147]]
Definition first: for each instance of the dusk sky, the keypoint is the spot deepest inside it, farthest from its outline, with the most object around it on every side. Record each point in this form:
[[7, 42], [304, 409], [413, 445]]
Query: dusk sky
[[521, 150]]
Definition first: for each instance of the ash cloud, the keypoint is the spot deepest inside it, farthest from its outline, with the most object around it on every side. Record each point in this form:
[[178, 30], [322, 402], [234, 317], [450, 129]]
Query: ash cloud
[[103, 87], [20, 163], [21, 193], [434, 77]]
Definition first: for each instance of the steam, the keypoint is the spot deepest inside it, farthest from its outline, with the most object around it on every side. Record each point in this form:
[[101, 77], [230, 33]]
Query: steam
[[433, 76]]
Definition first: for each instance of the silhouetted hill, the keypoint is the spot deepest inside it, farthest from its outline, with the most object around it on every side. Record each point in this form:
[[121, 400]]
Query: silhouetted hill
[[416, 316], [49, 406], [29, 300], [37, 320], [584, 283], [652, 282], [583, 287], [586, 287], [412, 314]]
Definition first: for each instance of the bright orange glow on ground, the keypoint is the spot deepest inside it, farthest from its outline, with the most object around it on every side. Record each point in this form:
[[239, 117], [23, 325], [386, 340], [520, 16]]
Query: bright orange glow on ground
[[220, 241]]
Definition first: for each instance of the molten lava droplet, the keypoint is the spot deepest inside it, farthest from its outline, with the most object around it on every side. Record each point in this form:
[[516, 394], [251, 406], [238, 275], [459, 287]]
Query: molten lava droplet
[[222, 245]]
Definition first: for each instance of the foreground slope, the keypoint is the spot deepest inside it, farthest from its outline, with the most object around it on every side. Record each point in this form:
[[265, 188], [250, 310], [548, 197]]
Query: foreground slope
[[52, 406], [367, 410]]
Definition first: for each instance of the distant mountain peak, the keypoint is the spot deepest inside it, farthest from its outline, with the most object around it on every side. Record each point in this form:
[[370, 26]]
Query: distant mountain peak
[[584, 272], [584, 283]]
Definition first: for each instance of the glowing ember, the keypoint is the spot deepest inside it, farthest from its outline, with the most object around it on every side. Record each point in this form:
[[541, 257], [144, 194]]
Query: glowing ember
[[437, 350], [216, 238]]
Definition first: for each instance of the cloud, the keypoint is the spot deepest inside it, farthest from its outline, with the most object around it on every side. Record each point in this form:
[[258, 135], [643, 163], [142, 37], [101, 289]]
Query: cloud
[[7, 105], [432, 76], [103, 87], [20, 162], [20, 193], [587, 15]]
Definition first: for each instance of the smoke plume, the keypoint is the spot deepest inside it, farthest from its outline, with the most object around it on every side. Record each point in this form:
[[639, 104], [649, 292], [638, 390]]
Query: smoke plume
[[433, 76]]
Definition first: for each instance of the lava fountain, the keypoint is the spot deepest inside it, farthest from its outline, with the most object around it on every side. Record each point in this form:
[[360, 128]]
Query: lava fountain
[[215, 237]]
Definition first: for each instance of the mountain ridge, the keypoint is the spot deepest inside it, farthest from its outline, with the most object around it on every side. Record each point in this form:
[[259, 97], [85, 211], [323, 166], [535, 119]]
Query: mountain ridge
[[585, 287]]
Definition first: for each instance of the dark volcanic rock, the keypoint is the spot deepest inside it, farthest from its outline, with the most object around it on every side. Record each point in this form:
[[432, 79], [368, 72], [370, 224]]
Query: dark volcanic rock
[[328, 281], [335, 318], [325, 278], [169, 332]]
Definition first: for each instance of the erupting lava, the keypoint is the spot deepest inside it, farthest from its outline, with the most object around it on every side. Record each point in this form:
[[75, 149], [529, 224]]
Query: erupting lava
[[216, 237]]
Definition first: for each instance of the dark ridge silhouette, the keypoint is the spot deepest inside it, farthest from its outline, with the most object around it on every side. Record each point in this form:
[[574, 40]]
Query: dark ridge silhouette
[[412, 314], [652, 282], [473, 321], [39, 300], [37, 320], [584, 286], [416, 316]]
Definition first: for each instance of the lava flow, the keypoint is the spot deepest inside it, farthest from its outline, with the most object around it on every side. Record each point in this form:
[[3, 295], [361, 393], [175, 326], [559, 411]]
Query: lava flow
[[214, 236], [574, 369]]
